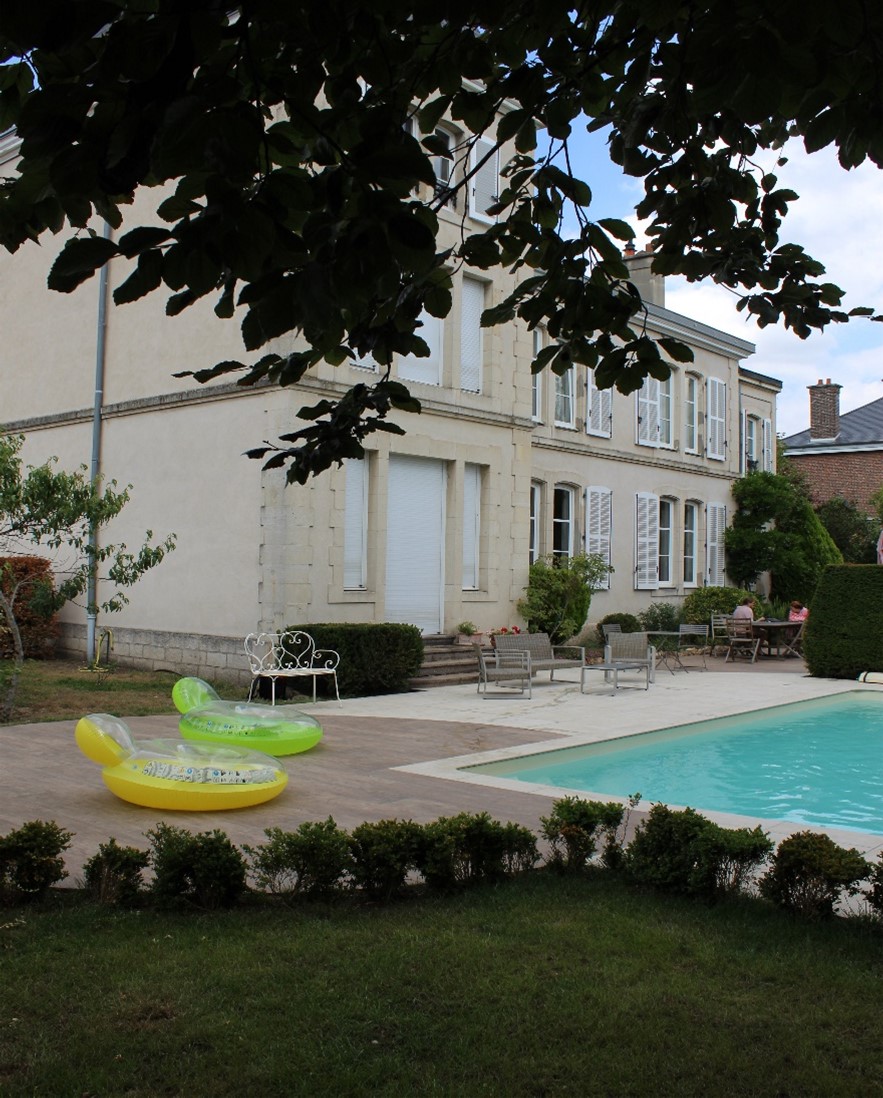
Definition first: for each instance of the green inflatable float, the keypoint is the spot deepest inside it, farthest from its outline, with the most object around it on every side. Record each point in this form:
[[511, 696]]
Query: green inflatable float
[[272, 729]]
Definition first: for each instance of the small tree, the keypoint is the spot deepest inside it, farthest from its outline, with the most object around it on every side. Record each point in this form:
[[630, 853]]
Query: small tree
[[559, 593], [62, 513]]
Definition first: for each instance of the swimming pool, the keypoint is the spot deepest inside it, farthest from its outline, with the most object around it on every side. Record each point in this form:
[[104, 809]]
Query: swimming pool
[[818, 763]]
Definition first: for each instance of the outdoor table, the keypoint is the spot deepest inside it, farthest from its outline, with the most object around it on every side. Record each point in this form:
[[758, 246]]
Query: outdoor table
[[613, 669], [775, 633]]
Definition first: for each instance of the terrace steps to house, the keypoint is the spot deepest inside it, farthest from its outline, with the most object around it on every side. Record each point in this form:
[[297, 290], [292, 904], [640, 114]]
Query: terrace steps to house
[[445, 663]]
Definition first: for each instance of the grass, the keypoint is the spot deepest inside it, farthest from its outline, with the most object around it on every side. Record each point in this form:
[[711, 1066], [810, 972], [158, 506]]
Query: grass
[[56, 690], [546, 986]]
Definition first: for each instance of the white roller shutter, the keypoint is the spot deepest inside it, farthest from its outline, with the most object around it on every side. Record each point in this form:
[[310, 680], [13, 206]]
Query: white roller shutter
[[485, 183], [415, 542], [471, 525], [427, 370], [471, 335], [355, 524]]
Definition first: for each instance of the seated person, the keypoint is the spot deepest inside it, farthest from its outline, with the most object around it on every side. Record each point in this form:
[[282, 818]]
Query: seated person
[[798, 611], [745, 609]]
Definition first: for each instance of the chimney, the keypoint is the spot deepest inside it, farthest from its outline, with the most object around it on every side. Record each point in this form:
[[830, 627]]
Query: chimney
[[650, 286], [824, 410]]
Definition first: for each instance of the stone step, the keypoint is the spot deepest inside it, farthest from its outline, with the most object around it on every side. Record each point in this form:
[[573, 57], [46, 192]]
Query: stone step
[[429, 681], [445, 662]]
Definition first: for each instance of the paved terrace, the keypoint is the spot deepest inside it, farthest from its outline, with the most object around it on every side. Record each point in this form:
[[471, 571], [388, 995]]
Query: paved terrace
[[386, 756]]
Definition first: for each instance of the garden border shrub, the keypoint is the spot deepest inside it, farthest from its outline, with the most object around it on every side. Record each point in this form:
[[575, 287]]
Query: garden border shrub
[[375, 658]]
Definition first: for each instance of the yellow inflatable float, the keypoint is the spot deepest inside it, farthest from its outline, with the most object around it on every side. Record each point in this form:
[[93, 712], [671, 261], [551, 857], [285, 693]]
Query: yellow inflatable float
[[171, 774], [273, 729]]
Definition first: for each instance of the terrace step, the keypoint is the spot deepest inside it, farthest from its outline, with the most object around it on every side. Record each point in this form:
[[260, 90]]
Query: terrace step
[[445, 663]]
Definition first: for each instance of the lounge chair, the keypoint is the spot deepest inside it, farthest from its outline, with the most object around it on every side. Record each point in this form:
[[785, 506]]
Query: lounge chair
[[504, 667]]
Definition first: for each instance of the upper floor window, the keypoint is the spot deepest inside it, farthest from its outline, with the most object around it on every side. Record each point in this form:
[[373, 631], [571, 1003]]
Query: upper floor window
[[563, 522], [443, 165], [654, 413], [599, 408], [750, 444], [691, 414], [536, 380], [426, 369], [564, 399], [484, 179], [471, 334], [716, 419]]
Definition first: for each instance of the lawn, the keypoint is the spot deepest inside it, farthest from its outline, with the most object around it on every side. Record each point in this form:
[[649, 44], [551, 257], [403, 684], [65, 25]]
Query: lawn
[[544, 986], [56, 690]]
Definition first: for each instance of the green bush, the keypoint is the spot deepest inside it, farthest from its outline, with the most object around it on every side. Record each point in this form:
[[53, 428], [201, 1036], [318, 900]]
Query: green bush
[[683, 851], [573, 828], [809, 873], [660, 616], [205, 871], [472, 847], [700, 604], [30, 860], [37, 624], [559, 594], [627, 622], [377, 658], [383, 854], [309, 861], [875, 894], [843, 635], [113, 876]]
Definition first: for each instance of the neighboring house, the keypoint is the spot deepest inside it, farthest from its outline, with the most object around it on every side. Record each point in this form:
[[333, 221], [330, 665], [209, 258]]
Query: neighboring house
[[839, 455], [434, 527]]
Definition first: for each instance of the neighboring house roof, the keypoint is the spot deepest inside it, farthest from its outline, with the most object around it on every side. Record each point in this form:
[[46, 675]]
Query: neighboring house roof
[[860, 429]]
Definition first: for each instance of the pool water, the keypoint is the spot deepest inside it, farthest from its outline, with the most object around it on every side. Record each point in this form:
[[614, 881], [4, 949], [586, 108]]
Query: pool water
[[817, 762]]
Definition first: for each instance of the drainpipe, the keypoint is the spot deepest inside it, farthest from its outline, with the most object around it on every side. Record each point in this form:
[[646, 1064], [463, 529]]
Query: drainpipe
[[95, 464]]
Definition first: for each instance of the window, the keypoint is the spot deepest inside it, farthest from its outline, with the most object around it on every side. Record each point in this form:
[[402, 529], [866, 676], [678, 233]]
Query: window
[[483, 179], [443, 166], [564, 403], [562, 523], [536, 381], [665, 534], [654, 413], [599, 408], [427, 370], [767, 453], [598, 526], [536, 504], [355, 523], [691, 524], [471, 526], [716, 443], [646, 541], [715, 524], [471, 334], [691, 414]]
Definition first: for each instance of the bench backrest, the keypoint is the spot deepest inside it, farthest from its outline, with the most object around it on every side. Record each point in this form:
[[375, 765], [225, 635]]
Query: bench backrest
[[290, 650], [538, 644]]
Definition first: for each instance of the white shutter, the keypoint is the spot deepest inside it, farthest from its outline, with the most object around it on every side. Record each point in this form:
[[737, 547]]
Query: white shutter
[[415, 542], [484, 184], [646, 542], [716, 424], [598, 526], [471, 525], [648, 412], [471, 334], [715, 524], [355, 523], [599, 408], [427, 370], [767, 461]]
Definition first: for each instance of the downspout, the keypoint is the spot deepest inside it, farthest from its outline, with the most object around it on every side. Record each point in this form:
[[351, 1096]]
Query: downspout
[[95, 464]]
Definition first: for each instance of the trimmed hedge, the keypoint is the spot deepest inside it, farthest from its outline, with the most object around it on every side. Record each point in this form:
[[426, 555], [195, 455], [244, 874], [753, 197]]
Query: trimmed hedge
[[37, 627], [844, 635], [379, 658]]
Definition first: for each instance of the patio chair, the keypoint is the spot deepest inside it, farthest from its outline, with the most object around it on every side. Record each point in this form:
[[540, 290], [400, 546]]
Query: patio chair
[[611, 628], [504, 667], [692, 641], [631, 651], [719, 637], [741, 639], [794, 647], [288, 655]]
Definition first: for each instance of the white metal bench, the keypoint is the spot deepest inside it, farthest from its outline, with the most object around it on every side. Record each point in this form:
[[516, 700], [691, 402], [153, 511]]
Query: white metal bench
[[288, 655]]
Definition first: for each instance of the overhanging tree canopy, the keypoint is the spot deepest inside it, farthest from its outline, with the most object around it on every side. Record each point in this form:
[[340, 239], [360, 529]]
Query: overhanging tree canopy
[[295, 136]]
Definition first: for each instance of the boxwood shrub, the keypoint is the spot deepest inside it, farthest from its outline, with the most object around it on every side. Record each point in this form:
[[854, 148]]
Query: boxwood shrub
[[376, 658], [843, 634]]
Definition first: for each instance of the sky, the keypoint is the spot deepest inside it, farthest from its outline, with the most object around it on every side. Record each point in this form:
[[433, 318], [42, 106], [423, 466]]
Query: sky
[[838, 220]]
